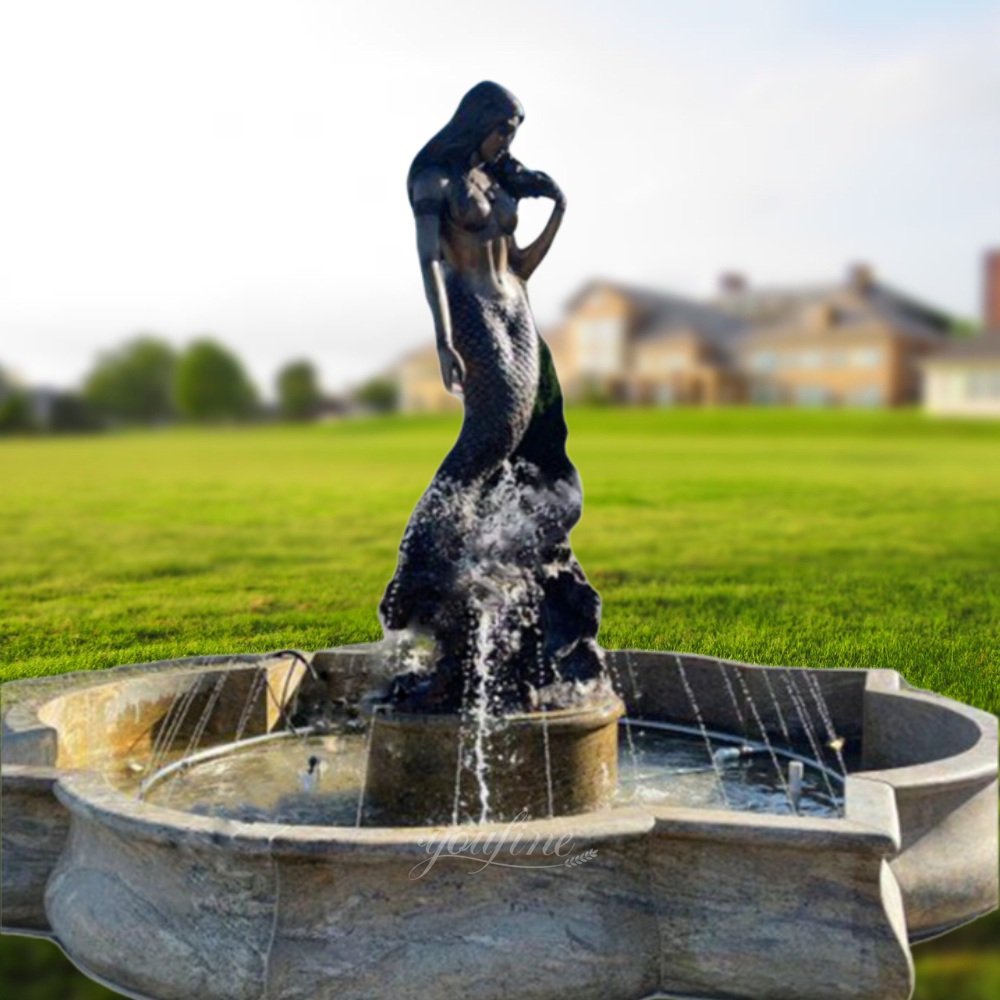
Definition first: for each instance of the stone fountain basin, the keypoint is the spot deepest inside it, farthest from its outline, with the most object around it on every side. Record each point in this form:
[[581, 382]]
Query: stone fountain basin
[[677, 902]]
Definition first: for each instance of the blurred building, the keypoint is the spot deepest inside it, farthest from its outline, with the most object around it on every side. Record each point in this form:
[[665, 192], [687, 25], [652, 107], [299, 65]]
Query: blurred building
[[856, 342], [635, 345], [420, 388], [853, 342], [964, 379], [39, 403]]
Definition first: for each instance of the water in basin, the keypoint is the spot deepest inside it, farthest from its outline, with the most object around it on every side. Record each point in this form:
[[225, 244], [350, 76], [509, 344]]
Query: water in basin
[[318, 780]]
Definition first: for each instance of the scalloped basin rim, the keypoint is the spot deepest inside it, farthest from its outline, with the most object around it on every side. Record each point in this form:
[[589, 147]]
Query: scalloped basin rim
[[973, 764], [34, 698], [867, 829], [262, 904], [91, 794]]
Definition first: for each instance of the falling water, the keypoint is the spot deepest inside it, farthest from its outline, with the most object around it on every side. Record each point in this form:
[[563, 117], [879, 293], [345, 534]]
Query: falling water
[[807, 727], [482, 717], [256, 690], [456, 808], [504, 597], [547, 751], [496, 525], [764, 734], [157, 751], [363, 790], [696, 708], [166, 742], [802, 712], [834, 742], [731, 691], [171, 726], [546, 744], [765, 673], [630, 668], [270, 780], [202, 724], [213, 699], [633, 754]]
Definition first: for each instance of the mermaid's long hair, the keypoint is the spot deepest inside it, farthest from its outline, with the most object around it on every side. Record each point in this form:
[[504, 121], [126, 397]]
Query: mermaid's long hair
[[484, 108]]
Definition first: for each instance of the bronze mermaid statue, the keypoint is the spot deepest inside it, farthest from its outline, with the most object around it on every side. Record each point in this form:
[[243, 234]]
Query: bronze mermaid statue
[[486, 586]]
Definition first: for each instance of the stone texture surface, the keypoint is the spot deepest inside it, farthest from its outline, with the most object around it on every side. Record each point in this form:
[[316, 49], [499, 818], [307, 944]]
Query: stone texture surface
[[369, 929], [92, 718], [35, 827], [942, 769], [105, 725], [423, 768], [779, 921], [690, 902], [101, 720], [160, 920]]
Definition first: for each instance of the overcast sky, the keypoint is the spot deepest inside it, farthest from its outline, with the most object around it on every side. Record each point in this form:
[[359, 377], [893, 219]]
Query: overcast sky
[[238, 167]]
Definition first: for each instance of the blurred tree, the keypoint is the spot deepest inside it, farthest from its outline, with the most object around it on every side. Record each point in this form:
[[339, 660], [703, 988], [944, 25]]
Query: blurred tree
[[962, 327], [134, 384], [378, 394], [299, 394], [71, 412], [15, 413], [212, 385], [15, 407]]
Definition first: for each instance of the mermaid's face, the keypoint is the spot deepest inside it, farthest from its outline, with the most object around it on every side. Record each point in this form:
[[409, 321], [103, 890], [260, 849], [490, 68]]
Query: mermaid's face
[[499, 140]]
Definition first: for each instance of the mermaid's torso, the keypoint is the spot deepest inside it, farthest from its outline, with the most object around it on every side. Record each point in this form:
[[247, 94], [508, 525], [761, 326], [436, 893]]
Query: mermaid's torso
[[492, 326], [477, 222]]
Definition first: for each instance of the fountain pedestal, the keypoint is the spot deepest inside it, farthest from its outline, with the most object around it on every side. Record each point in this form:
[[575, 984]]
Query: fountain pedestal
[[425, 770]]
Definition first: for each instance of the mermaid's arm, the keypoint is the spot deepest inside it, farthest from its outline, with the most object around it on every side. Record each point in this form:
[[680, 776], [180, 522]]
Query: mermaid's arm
[[428, 199], [524, 261]]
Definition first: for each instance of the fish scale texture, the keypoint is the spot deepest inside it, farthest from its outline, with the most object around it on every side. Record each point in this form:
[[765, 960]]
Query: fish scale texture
[[486, 583]]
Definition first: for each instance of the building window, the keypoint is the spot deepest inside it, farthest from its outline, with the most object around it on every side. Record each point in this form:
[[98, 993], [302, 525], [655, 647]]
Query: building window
[[765, 393], [866, 357], [866, 395], [812, 395], [982, 385], [811, 359], [763, 361], [600, 346], [670, 363]]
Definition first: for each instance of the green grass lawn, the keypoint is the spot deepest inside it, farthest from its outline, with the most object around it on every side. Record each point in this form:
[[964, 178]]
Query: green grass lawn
[[814, 538]]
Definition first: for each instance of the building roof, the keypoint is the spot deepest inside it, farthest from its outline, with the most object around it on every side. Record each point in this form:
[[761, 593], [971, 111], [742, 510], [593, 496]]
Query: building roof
[[984, 347], [659, 313], [776, 306], [767, 305], [723, 318], [902, 308]]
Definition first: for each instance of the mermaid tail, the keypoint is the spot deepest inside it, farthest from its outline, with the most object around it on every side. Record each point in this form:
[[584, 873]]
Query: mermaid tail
[[485, 567]]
